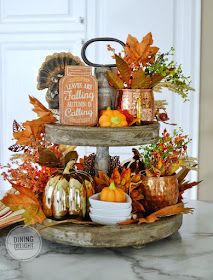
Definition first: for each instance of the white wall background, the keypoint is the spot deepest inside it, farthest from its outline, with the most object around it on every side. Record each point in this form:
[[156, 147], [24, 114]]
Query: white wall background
[[30, 30]]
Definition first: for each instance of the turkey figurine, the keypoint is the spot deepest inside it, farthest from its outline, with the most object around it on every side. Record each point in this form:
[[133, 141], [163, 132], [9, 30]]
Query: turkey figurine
[[50, 72]]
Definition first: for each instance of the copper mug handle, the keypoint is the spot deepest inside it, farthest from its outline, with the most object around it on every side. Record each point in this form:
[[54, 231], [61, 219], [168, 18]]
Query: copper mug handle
[[100, 39]]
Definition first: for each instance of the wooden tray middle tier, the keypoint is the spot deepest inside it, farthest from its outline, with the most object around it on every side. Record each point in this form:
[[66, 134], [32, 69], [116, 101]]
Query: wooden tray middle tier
[[102, 137]]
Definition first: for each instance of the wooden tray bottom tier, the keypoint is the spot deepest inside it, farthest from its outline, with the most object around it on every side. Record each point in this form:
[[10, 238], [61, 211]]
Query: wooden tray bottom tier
[[110, 236]]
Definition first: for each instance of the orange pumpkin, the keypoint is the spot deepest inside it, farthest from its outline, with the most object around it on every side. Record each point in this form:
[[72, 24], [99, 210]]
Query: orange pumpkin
[[112, 118], [112, 194]]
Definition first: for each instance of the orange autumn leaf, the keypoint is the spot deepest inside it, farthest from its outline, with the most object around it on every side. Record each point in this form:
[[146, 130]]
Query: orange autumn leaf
[[134, 121], [38, 107], [101, 181], [24, 137], [166, 211], [116, 176], [114, 80], [136, 178], [103, 176], [132, 49], [123, 68], [31, 133], [25, 200], [125, 176], [138, 79], [140, 52], [129, 222], [33, 130], [153, 173]]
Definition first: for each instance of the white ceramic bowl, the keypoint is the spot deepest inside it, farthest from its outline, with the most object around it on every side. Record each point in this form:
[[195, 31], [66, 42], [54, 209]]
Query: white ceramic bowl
[[104, 205], [111, 212], [104, 220]]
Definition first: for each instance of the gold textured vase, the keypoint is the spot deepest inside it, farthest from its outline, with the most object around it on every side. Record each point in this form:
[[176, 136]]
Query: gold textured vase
[[160, 192], [138, 102]]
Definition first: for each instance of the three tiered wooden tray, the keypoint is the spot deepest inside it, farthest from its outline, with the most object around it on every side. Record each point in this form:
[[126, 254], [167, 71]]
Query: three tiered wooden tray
[[106, 236]]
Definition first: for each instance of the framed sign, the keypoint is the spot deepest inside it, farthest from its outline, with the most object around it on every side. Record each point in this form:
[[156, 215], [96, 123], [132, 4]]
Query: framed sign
[[78, 97]]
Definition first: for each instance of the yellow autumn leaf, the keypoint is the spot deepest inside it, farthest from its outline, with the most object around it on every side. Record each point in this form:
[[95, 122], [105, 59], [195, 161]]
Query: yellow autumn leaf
[[114, 80], [175, 166], [123, 68], [138, 79]]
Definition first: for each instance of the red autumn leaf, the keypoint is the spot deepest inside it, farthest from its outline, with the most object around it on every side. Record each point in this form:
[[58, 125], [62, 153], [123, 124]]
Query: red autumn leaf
[[79, 166], [128, 116]]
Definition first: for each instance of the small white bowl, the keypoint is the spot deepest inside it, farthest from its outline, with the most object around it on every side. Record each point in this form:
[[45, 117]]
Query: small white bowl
[[111, 212], [96, 203], [103, 220]]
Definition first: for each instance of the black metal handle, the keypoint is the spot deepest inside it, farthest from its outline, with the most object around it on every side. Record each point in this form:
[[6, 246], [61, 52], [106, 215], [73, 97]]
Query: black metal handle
[[102, 39]]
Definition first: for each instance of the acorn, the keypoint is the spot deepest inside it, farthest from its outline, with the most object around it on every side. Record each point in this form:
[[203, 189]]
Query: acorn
[[163, 117]]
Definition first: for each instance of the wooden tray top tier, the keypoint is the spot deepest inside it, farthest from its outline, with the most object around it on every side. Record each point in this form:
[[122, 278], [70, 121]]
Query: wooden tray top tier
[[110, 236], [102, 137]]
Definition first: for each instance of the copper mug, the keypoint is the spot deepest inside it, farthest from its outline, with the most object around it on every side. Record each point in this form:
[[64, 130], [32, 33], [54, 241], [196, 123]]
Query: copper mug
[[138, 102], [160, 192]]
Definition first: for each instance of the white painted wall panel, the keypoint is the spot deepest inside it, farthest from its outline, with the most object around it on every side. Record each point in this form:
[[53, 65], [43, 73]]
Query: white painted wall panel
[[30, 30], [38, 8]]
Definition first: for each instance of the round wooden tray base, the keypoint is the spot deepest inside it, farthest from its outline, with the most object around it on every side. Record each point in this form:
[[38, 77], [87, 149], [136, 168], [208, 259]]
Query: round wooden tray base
[[110, 236]]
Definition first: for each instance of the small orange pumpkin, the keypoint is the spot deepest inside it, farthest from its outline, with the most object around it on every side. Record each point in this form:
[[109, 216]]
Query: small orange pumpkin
[[112, 194], [112, 118]]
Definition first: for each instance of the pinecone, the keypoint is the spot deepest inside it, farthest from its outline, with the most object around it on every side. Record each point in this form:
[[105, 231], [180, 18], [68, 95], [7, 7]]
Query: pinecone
[[89, 164]]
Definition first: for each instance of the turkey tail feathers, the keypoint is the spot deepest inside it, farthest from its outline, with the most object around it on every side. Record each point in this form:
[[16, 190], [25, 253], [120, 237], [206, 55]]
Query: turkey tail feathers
[[53, 66]]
